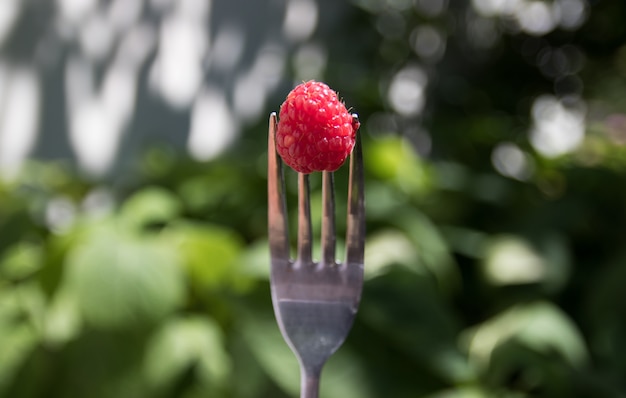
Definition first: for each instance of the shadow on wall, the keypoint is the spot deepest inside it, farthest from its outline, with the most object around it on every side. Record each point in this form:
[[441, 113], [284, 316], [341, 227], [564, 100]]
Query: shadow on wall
[[94, 80]]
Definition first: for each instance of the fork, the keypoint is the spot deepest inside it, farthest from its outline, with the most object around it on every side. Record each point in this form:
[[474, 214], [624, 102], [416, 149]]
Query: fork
[[314, 302]]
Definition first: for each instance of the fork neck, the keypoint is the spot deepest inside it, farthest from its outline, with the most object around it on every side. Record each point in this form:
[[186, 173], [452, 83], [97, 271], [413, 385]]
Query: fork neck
[[310, 383]]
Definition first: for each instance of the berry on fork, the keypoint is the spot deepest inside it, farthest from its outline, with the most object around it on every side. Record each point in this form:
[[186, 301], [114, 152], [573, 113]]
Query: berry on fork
[[315, 130]]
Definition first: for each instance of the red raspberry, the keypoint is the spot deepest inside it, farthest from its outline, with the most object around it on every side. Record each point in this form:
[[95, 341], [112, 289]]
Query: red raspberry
[[315, 130]]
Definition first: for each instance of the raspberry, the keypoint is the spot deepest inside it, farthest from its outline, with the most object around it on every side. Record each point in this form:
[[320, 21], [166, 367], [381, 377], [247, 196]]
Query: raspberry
[[315, 130]]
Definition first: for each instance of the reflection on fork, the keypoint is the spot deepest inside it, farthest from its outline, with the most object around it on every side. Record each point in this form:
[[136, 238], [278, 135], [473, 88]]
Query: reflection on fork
[[314, 302]]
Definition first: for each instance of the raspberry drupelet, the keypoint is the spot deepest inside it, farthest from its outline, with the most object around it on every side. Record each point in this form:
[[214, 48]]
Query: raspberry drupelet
[[315, 130]]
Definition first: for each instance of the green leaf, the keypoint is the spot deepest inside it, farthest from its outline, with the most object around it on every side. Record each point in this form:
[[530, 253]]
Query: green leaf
[[269, 348], [21, 260], [18, 332], [210, 254], [540, 326], [462, 392], [605, 318], [407, 308], [117, 372], [342, 376], [63, 318], [182, 344], [394, 159], [511, 259], [387, 248], [432, 250], [255, 260], [150, 205], [121, 280]]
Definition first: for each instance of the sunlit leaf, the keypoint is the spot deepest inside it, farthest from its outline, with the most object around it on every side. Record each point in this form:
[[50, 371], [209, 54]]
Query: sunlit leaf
[[510, 259], [121, 280], [21, 260], [182, 344], [395, 160], [540, 326], [387, 248], [255, 260], [150, 205], [63, 318], [210, 254]]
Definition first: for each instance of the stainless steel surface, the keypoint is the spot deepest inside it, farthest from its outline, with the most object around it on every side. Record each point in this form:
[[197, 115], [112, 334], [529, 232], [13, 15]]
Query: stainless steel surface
[[314, 302]]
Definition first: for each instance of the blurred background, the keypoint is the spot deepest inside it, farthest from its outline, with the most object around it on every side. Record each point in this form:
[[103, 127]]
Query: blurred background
[[133, 247]]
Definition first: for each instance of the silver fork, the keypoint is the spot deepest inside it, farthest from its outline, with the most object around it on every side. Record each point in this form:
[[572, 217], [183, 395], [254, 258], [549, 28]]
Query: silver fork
[[314, 302]]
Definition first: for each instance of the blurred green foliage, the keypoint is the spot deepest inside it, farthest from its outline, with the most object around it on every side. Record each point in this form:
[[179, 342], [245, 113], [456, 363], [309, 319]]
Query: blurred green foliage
[[477, 285]]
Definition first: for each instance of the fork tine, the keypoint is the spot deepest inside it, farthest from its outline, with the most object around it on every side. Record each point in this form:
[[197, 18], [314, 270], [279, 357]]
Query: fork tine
[[328, 219], [304, 220], [276, 209], [355, 235]]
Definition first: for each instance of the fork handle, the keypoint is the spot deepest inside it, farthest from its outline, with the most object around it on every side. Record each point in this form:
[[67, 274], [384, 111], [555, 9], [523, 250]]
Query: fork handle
[[310, 383]]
